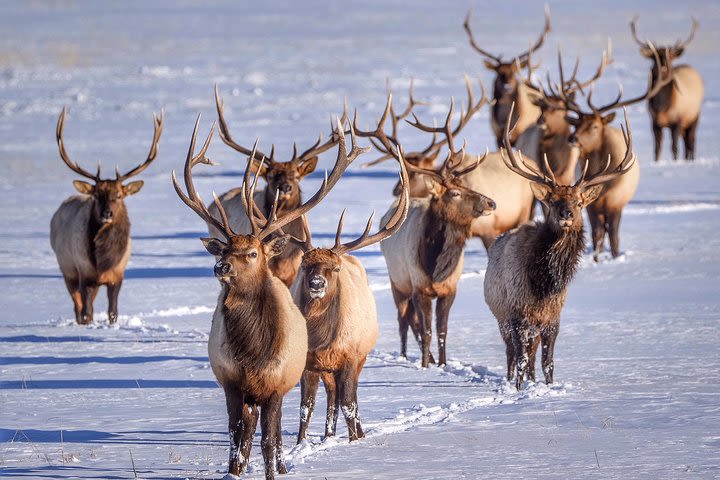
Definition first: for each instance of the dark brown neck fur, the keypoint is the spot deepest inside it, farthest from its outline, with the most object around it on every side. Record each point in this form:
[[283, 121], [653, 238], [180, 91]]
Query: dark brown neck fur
[[442, 243], [323, 318], [108, 242], [554, 259]]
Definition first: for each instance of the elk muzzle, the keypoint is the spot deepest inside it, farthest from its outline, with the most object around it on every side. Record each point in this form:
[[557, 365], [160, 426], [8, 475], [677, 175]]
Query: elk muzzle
[[224, 271], [483, 206], [317, 285]]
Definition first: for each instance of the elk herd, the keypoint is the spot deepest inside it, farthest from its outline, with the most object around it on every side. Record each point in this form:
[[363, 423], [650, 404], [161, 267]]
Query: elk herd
[[290, 312]]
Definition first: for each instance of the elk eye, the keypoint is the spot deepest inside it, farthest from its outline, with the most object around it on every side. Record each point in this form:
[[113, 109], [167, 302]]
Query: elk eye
[[336, 269], [454, 193], [252, 255], [579, 204]]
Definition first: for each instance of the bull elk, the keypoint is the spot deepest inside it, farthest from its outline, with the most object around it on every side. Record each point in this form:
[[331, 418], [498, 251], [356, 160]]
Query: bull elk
[[258, 339], [90, 232], [677, 105], [600, 143], [425, 257], [332, 292], [530, 268], [508, 89], [283, 178]]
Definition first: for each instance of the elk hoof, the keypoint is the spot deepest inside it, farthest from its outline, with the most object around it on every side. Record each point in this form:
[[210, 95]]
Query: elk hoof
[[112, 318]]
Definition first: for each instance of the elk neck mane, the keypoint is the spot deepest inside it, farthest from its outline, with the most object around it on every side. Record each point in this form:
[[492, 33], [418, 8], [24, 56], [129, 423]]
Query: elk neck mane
[[108, 242], [442, 242], [323, 317], [251, 326], [553, 259]]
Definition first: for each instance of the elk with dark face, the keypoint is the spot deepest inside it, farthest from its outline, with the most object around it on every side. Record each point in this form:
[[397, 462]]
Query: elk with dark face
[[508, 89], [258, 339], [677, 105], [530, 268], [332, 291], [283, 179], [425, 257], [90, 233], [600, 143]]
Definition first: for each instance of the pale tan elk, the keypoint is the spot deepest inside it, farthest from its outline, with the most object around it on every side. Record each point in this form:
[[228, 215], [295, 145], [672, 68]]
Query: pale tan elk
[[258, 338], [511, 193], [508, 88], [677, 105], [530, 267], [332, 292], [425, 257], [600, 143], [90, 232], [282, 178]]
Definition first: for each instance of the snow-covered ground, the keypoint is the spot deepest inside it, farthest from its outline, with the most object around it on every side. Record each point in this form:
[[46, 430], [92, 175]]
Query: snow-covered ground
[[637, 360]]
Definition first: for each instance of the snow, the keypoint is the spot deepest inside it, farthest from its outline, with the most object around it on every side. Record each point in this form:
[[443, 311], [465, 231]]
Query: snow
[[636, 363]]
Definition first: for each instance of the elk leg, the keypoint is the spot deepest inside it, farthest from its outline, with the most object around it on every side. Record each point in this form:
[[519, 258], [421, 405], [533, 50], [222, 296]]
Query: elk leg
[[532, 356], [614, 232], [689, 139], [521, 342], [88, 291], [675, 135], [333, 407], [403, 304], [597, 227], [510, 356], [347, 386], [74, 289], [308, 392], [113, 292], [268, 424], [657, 133], [442, 313], [361, 433], [423, 306], [234, 401], [548, 348], [249, 419], [279, 454]]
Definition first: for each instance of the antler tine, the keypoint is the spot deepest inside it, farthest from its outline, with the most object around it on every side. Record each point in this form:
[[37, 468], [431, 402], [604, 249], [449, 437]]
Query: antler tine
[[472, 107], [460, 173], [379, 132], [623, 167], [445, 129], [633, 30], [525, 55], [344, 159], [508, 156], [252, 211], [192, 199], [392, 226], [317, 149], [474, 44], [225, 131], [605, 60], [152, 154], [695, 24], [63, 154]]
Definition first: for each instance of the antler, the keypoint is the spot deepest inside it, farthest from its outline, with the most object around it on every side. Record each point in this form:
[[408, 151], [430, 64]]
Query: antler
[[623, 167], [526, 170], [157, 131], [192, 199], [633, 30], [390, 228], [526, 54], [474, 44], [680, 43], [225, 132], [272, 224], [63, 154], [567, 86], [316, 148]]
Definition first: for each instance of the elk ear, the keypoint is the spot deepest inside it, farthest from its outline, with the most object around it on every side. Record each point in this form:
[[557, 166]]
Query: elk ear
[[263, 170], [541, 191], [133, 187], [536, 99], [84, 187], [608, 118], [676, 52], [433, 187], [308, 166], [213, 246], [276, 246], [646, 52], [490, 65], [589, 195]]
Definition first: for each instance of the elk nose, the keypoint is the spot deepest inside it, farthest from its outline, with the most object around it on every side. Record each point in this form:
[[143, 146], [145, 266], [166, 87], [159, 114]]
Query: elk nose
[[566, 214], [222, 268], [285, 188], [572, 139], [491, 204], [107, 214], [317, 283]]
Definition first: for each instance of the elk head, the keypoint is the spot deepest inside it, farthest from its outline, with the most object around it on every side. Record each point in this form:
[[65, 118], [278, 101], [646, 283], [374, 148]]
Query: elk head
[[281, 177], [506, 73], [668, 53], [564, 203], [243, 258], [108, 193], [424, 159], [322, 266]]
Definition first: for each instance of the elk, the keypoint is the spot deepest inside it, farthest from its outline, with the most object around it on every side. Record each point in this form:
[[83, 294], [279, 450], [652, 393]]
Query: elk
[[90, 232], [332, 291], [598, 141], [530, 267], [508, 89], [512, 193], [282, 177], [258, 338], [677, 105], [425, 257]]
